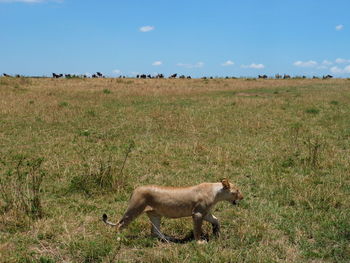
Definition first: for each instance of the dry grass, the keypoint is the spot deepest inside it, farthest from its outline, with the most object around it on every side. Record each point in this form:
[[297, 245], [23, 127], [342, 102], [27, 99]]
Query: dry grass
[[284, 142]]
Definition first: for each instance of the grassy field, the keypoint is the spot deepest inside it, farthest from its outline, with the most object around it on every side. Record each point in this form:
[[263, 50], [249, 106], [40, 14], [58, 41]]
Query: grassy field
[[73, 149]]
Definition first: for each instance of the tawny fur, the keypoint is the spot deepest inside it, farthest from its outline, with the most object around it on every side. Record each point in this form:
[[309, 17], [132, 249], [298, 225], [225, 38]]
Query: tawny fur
[[174, 202]]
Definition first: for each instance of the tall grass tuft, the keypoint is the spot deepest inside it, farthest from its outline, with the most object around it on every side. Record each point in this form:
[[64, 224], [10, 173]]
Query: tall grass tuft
[[20, 188], [103, 173]]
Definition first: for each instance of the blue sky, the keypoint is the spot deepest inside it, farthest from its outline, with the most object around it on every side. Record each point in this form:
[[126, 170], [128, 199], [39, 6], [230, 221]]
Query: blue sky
[[191, 37]]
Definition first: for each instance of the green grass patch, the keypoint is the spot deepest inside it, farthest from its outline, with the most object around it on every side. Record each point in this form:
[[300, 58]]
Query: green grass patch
[[313, 111], [284, 143]]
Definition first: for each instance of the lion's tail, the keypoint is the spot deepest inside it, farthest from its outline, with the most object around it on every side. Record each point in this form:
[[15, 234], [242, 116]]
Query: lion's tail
[[105, 219]]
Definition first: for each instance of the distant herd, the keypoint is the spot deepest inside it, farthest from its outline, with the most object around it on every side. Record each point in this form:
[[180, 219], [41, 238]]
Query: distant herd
[[173, 76]]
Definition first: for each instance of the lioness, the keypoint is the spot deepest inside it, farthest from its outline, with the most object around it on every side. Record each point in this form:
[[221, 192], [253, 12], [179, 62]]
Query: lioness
[[175, 202]]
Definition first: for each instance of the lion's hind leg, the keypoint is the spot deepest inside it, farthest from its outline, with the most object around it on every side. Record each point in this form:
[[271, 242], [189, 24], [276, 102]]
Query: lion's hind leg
[[155, 223], [155, 226]]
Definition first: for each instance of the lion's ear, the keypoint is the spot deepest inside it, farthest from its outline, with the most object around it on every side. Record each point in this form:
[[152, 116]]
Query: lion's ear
[[225, 183]]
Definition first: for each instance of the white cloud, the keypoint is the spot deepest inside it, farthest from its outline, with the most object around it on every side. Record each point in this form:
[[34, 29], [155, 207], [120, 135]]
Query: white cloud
[[197, 65], [337, 70], [339, 27], [254, 66], [146, 28], [347, 69], [342, 61], [305, 64], [116, 71], [228, 63], [157, 63], [327, 62]]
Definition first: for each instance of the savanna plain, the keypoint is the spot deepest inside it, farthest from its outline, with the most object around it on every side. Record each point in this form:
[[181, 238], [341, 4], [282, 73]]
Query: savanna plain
[[73, 149]]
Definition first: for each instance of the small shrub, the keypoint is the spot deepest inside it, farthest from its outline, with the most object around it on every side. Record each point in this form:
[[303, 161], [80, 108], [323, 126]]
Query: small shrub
[[63, 104], [85, 133], [334, 102], [106, 91], [289, 162], [312, 111], [91, 113]]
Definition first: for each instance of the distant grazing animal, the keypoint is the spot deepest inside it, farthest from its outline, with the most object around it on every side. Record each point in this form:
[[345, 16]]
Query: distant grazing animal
[[182, 77], [327, 77], [97, 75], [175, 202], [160, 76], [143, 76], [173, 76], [6, 75], [262, 76], [188, 77], [57, 76], [286, 76]]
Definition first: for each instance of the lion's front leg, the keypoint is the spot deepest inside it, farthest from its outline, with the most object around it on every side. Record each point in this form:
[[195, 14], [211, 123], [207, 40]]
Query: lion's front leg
[[214, 222]]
